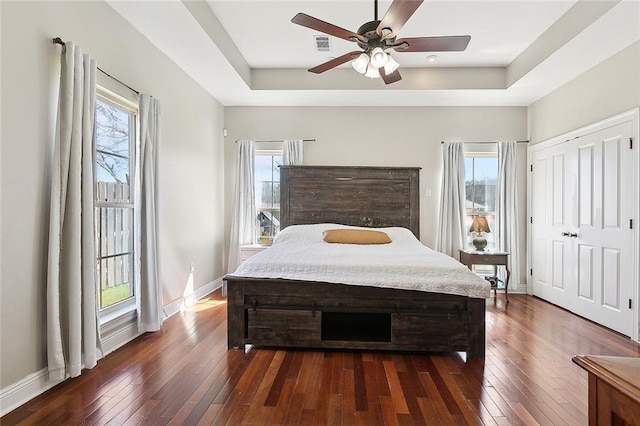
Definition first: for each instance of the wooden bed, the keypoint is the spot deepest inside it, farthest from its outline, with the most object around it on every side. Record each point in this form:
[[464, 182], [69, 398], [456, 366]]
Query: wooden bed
[[279, 312]]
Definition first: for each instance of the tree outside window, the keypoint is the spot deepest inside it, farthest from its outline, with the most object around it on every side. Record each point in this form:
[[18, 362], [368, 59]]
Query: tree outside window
[[114, 146], [481, 179], [267, 189]]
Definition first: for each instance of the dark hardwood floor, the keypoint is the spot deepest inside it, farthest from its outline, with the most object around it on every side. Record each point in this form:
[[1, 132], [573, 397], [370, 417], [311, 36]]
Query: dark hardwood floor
[[185, 375]]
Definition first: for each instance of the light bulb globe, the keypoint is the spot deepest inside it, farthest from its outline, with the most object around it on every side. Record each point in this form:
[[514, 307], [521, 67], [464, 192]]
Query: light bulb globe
[[372, 72], [378, 57], [361, 63], [391, 65]]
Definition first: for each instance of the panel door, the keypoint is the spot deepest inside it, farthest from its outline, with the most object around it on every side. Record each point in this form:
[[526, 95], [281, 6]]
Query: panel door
[[604, 241], [553, 183], [582, 244]]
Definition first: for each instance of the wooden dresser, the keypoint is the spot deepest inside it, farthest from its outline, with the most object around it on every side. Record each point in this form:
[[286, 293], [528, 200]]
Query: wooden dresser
[[614, 389]]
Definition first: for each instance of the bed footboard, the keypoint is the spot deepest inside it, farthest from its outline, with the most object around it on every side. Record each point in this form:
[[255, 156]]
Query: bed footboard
[[274, 312]]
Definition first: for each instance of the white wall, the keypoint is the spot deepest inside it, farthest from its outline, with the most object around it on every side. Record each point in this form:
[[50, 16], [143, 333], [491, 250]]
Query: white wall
[[607, 89], [378, 136], [190, 171]]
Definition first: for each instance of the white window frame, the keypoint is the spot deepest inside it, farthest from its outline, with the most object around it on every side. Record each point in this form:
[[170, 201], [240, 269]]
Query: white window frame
[[130, 304], [269, 150], [484, 151]]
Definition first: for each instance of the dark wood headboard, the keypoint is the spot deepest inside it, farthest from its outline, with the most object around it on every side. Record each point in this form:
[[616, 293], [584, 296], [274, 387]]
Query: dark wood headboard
[[358, 196]]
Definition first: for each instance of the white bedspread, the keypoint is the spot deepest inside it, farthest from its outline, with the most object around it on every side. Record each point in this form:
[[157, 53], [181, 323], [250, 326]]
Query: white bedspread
[[299, 253]]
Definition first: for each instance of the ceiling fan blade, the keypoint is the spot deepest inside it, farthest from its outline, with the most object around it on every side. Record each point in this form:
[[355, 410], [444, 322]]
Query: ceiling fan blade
[[432, 44], [390, 78], [398, 14], [335, 62], [325, 27]]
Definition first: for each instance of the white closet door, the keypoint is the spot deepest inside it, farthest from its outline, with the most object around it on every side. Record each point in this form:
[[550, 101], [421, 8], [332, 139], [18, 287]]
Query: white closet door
[[582, 244], [553, 180], [604, 242]]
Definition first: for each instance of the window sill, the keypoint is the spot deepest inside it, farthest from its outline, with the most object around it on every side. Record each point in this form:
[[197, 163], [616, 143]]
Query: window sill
[[127, 310], [118, 328]]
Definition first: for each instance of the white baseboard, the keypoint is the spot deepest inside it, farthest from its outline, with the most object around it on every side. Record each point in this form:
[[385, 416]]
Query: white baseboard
[[188, 300], [13, 396], [203, 291], [519, 289], [515, 287], [26, 389]]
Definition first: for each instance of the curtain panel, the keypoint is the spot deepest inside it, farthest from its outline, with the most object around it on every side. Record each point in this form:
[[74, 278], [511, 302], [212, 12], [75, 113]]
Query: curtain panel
[[292, 152], [507, 207], [149, 291], [243, 221], [73, 338], [451, 235]]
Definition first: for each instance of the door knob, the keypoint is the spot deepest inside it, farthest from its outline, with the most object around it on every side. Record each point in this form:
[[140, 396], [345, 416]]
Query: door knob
[[564, 234], [569, 234]]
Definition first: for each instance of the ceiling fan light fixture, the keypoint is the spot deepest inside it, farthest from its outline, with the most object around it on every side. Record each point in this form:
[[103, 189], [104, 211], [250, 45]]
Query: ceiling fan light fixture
[[378, 57], [391, 65], [361, 63], [376, 37], [372, 72]]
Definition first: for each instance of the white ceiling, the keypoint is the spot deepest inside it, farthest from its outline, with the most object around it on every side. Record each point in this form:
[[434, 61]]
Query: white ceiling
[[249, 53], [499, 30]]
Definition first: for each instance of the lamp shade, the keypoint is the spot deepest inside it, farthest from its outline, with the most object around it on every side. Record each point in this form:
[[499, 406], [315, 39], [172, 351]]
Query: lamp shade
[[391, 65], [479, 224], [361, 63], [372, 72], [378, 57]]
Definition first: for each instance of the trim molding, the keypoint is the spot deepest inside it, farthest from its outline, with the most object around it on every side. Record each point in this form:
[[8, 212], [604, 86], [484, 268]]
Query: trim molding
[[23, 391], [188, 300], [17, 394], [121, 336], [519, 288], [514, 288]]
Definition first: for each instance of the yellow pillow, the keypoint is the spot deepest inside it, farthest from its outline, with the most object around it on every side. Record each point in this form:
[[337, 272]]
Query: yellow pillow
[[355, 236]]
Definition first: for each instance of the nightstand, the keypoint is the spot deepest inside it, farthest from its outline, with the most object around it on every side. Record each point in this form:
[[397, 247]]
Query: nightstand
[[496, 258]]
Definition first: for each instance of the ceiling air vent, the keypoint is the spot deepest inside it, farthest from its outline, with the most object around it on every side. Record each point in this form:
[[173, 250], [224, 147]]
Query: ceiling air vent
[[323, 44]]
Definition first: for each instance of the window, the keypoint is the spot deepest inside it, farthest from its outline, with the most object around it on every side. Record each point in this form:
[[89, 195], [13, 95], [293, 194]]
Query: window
[[481, 178], [267, 188], [115, 141]]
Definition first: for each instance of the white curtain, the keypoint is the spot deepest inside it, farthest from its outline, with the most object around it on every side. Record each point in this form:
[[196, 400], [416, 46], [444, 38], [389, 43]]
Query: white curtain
[[451, 235], [150, 315], [292, 152], [73, 339], [506, 208], [243, 222]]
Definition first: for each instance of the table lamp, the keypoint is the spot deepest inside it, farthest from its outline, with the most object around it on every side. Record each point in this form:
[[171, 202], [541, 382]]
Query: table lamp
[[480, 226]]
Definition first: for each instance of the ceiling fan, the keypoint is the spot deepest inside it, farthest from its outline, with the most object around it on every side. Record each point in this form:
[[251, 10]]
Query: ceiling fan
[[375, 37]]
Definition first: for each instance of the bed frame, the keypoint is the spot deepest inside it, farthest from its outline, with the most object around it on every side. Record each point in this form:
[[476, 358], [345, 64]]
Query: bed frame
[[289, 313]]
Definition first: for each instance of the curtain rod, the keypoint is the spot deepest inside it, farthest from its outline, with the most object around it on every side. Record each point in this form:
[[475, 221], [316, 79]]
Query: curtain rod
[[282, 140], [58, 40], [488, 142]]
